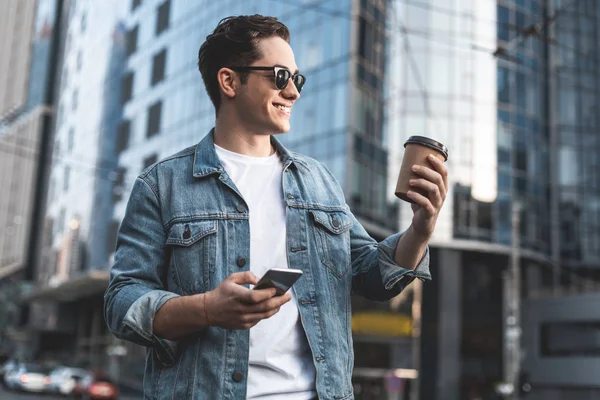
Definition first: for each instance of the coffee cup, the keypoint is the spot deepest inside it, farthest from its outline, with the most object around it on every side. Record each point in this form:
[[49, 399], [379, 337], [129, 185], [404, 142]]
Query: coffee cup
[[417, 149]]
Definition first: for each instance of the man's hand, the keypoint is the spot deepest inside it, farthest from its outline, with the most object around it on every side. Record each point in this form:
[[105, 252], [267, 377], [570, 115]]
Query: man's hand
[[435, 182], [232, 306]]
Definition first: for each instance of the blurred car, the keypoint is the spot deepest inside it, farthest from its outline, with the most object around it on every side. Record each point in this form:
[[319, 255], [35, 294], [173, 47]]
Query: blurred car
[[98, 387], [63, 380], [6, 367], [28, 377]]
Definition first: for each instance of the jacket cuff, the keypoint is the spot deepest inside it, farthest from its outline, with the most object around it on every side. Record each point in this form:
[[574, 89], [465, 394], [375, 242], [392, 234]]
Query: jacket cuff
[[140, 318], [392, 273]]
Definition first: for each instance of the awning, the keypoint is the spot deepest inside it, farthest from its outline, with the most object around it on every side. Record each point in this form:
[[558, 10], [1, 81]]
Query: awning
[[89, 284]]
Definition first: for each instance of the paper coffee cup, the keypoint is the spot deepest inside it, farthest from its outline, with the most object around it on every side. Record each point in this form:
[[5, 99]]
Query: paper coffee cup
[[417, 149]]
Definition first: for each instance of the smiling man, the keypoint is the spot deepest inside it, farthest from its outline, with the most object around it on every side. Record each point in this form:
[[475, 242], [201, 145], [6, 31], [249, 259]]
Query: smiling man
[[203, 224]]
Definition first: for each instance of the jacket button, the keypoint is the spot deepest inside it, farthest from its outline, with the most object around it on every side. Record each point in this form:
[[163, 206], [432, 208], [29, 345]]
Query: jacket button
[[290, 196], [336, 223], [238, 376], [241, 262], [241, 208], [187, 233]]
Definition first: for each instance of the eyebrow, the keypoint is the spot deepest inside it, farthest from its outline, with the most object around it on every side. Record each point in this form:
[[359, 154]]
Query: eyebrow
[[283, 66]]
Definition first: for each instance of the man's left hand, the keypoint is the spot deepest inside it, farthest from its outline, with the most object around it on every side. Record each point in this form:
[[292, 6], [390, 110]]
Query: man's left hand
[[435, 182]]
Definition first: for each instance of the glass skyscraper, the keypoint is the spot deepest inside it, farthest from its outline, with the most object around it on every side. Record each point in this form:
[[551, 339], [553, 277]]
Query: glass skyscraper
[[511, 87]]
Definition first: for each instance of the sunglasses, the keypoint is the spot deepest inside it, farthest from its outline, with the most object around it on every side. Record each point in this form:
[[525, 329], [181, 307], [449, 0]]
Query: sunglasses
[[282, 76]]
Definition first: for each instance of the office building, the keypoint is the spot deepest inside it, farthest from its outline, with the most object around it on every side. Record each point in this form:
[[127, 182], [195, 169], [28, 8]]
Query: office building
[[511, 87]]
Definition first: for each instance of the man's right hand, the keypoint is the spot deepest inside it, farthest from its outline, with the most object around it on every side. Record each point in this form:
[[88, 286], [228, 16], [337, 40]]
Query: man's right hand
[[233, 306]]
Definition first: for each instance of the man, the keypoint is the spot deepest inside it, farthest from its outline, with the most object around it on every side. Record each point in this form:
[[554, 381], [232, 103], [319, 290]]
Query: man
[[202, 225]]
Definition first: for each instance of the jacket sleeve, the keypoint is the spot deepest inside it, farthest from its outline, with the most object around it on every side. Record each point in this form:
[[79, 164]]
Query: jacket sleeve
[[136, 291], [375, 275]]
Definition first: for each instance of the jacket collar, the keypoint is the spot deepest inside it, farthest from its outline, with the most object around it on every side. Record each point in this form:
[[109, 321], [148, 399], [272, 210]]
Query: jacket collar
[[207, 162]]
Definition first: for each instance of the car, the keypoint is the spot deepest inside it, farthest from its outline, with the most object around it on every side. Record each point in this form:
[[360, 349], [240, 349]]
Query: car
[[28, 377], [6, 367], [99, 387], [63, 380]]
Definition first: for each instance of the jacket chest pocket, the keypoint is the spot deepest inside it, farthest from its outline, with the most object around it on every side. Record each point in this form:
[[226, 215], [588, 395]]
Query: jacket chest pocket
[[332, 237], [193, 250]]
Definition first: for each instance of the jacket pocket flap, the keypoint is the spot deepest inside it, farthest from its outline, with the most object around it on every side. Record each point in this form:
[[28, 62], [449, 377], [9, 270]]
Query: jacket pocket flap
[[188, 233], [336, 222]]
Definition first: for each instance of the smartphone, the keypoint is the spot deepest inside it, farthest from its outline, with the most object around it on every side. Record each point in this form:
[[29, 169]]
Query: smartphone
[[281, 279]]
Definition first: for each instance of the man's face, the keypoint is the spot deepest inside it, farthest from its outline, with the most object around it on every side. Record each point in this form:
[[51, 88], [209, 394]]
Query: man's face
[[262, 107]]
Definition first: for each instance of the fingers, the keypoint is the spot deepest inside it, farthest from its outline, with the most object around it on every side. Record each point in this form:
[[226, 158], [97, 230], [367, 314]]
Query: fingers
[[434, 182], [242, 278], [265, 306], [252, 296], [422, 201], [441, 168], [249, 320], [253, 314]]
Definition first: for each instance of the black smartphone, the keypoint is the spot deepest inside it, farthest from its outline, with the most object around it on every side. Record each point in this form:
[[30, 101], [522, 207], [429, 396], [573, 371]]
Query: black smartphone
[[281, 279]]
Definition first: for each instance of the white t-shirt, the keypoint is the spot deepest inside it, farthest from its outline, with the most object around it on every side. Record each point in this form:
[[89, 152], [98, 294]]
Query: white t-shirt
[[280, 361]]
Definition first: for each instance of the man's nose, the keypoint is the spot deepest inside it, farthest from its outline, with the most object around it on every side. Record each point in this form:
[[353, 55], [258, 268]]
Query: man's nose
[[290, 91]]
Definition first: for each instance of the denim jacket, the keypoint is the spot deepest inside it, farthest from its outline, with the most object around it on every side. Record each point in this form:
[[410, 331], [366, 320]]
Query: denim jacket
[[185, 228]]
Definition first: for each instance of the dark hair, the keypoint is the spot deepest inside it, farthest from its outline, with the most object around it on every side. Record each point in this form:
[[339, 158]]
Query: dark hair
[[234, 43]]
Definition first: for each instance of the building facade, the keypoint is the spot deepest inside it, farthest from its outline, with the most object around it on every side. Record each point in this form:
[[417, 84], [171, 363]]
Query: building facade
[[509, 87], [30, 33]]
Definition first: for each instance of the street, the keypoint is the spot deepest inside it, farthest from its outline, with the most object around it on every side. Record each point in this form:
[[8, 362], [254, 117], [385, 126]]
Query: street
[[10, 395]]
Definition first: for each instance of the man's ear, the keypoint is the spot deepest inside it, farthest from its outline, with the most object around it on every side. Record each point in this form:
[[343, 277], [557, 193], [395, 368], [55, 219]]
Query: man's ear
[[228, 81]]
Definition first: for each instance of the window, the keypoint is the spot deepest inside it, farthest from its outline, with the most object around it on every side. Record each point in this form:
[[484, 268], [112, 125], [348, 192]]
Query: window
[[132, 38], [503, 85], [66, 177], [118, 182], [127, 88], [135, 4], [162, 19], [570, 339], [123, 135], [71, 140], [111, 239], [75, 100], [83, 23], [148, 161], [154, 114], [60, 224], [79, 60], [158, 67]]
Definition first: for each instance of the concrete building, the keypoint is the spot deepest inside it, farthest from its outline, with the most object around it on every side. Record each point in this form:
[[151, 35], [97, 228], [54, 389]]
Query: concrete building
[[29, 32]]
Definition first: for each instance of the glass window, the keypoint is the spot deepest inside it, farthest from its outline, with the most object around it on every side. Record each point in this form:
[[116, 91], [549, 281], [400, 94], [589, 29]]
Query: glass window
[[570, 339], [66, 178], [568, 106], [158, 67], [521, 96], [503, 85], [162, 19], [132, 39], [127, 87], [75, 100], [148, 161], [79, 60], [123, 135], [154, 117], [83, 24], [71, 140], [503, 21], [567, 166]]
